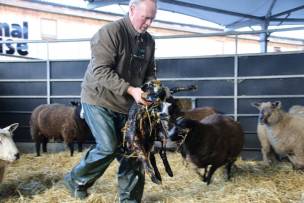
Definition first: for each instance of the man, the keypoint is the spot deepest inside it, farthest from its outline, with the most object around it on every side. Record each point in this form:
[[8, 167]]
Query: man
[[122, 60]]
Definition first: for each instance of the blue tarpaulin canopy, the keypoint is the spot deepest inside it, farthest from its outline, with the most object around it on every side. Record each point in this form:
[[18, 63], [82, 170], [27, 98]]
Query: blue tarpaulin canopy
[[232, 14]]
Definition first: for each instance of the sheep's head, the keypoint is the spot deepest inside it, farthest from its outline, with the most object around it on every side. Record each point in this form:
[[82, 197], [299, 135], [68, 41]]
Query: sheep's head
[[8, 149], [270, 112], [155, 91]]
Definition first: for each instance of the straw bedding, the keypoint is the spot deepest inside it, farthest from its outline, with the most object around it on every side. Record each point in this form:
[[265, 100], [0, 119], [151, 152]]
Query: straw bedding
[[39, 179]]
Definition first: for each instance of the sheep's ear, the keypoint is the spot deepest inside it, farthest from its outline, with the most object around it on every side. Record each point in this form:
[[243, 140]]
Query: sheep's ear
[[256, 104], [146, 86], [276, 104], [74, 103], [12, 127]]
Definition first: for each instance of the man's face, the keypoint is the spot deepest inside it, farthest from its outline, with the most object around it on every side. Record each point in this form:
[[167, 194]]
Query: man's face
[[142, 15]]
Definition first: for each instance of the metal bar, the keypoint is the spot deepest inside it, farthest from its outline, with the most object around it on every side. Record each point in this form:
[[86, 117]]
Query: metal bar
[[288, 11], [40, 80], [235, 85], [288, 19], [66, 80], [18, 112], [48, 74], [270, 96], [65, 96], [232, 78], [193, 103], [48, 41], [168, 79], [270, 77], [204, 97], [196, 78], [181, 97], [228, 33], [242, 97], [22, 80], [23, 96], [248, 115], [37, 96], [169, 36]]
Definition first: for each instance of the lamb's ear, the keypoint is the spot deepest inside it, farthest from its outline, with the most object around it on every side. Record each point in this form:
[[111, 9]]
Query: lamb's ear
[[256, 104], [12, 127], [276, 104]]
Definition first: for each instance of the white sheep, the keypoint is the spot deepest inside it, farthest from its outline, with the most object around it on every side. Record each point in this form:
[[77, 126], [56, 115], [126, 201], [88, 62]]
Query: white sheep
[[8, 150], [297, 109], [281, 131]]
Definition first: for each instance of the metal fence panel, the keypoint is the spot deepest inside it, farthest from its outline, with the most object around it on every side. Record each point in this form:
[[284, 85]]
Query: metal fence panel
[[259, 77], [22, 70]]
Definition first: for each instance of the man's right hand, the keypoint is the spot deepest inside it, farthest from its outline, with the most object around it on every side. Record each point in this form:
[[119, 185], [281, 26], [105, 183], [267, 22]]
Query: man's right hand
[[136, 93]]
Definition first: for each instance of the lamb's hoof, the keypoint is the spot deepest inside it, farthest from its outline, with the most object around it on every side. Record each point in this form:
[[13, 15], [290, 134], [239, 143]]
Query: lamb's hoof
[[156, 180], [170, 173]]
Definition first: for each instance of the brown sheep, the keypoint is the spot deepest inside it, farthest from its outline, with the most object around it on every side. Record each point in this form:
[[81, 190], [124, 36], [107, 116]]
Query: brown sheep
[[215, 141], [199, 113], [58, 121], [282, 131]]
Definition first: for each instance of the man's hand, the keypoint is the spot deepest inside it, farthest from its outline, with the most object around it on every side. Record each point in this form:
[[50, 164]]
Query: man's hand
[[136, 93]]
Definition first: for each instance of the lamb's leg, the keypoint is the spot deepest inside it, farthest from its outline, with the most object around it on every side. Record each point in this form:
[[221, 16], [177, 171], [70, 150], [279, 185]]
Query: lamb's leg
[[228, 169], [44, 144], [79, 146], [297, 159], [203, 176], [267, 151], [210, 173], [163, 156], [71, 147], [150, 171], [2, 170], [205, 173], [37, 146], [153, 163]]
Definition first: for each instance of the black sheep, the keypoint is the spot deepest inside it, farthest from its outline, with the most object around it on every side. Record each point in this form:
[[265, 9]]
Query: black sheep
[[215, 141]]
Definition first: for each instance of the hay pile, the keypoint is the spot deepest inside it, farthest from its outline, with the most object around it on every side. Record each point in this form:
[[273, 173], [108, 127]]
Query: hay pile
[[39, 179]]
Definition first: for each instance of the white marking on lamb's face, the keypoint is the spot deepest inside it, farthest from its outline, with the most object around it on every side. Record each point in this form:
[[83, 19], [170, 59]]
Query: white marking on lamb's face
[[165, 117], [165, 108], [8, 149]]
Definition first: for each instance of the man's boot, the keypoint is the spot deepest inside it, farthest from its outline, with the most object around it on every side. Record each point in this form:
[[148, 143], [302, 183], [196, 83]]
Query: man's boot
[[75, 190]]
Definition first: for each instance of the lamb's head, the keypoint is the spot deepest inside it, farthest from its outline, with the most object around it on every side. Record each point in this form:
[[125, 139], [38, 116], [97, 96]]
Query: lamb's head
[[8, 149], [270, 112]]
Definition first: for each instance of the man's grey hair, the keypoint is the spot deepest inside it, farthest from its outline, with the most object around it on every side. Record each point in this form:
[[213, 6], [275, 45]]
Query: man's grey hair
[[136, 2]]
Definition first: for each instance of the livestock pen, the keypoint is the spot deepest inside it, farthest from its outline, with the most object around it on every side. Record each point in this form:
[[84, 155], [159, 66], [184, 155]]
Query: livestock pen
[[227, 82]]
